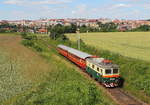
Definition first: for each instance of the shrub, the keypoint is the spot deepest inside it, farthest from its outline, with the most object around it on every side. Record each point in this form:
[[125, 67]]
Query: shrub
[[28, 43], [38, 48], [24, 35], [31, 37]]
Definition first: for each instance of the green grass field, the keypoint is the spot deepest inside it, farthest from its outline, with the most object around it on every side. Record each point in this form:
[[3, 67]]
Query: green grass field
[[28, 77], [130, 44]]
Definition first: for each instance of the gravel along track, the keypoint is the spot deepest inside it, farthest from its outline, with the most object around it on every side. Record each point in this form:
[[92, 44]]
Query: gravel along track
[[123, 98]]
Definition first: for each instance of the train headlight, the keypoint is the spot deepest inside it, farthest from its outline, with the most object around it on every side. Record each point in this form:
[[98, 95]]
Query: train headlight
[[112, 79], [117, 81]]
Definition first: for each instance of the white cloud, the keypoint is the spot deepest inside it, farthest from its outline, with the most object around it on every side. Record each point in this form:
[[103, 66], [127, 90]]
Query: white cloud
[[16, 2], [146, 6], [31, 2], [66, 8], [80, 9], [51, 2], [121, 5]]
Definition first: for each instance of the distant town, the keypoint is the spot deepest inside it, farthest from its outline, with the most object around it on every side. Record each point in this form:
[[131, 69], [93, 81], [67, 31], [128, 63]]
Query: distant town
[[41, 24]]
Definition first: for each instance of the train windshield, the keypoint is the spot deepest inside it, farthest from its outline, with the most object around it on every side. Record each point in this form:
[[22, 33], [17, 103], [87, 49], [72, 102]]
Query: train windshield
[[115, 71], [108, 71], [111, 71]]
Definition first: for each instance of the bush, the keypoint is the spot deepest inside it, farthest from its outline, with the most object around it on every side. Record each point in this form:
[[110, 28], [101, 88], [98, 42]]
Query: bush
[[24, 35], [31, 37], [28, 43], [38, 48]]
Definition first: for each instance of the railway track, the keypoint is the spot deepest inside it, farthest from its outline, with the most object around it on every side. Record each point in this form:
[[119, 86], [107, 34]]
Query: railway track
[[122, 98]]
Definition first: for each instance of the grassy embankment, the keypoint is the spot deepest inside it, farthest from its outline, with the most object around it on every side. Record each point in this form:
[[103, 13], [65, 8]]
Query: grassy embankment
[[61, 84], [130, 51]]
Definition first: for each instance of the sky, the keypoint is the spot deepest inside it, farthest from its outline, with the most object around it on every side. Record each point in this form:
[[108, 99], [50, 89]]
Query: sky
[[36, 9]]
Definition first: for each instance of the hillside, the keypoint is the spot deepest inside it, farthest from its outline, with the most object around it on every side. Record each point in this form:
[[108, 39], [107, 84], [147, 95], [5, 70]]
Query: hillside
[[45, 78]]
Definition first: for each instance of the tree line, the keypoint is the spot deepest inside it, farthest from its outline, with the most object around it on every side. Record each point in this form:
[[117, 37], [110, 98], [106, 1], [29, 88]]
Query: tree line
[[59, 30]]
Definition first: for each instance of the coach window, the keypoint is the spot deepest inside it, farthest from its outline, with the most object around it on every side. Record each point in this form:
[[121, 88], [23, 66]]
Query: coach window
[[97, 69], [101, 71], [93, 66]]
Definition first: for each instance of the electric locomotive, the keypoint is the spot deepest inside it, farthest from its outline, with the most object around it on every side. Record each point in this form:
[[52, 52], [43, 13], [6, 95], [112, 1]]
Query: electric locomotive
[[104, 71], [101, 69]]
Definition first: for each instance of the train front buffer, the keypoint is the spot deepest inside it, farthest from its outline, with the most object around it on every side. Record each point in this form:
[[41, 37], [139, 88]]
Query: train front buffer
[[111, 82]]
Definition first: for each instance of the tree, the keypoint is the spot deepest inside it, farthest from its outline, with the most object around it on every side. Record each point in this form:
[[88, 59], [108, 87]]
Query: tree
[[107, 27], [143, 28], [57, 32]]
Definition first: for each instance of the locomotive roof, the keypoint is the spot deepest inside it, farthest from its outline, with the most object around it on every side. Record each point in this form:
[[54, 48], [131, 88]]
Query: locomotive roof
[[99, 62], [73, 51]]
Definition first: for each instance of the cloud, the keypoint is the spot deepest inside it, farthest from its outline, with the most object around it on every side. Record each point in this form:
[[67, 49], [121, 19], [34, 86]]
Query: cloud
[[34, 9], [16, 2], [84, 11], [80, 9], [146, 6], [121, 5], [31, 2], [51, 2]]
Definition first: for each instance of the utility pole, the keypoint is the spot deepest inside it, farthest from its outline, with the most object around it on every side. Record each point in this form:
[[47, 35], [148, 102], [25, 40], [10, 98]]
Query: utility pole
[[78, 37]]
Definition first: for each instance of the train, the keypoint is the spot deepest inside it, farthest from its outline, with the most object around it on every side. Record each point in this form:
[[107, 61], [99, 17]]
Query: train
[[102, 70]]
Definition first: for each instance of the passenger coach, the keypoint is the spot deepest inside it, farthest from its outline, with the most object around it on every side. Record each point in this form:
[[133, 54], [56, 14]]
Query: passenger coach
[[76, 56]]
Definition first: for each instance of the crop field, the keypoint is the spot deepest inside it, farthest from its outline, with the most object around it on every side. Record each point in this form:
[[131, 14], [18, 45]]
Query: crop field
[[130, 44], [19, 67], [28, 77]]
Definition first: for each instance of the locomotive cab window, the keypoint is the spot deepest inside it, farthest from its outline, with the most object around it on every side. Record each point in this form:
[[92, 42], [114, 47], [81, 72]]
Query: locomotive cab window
[[108, 71], [115, 71]]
